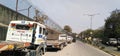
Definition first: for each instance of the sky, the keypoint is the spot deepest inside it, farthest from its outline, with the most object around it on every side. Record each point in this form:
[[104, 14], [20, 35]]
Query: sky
[[72, 12], [75, 12]]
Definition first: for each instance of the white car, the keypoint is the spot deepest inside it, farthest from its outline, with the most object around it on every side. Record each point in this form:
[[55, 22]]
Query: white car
[[112, 41]]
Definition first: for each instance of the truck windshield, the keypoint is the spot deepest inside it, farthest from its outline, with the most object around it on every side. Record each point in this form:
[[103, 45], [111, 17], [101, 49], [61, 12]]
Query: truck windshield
[[22, 27]]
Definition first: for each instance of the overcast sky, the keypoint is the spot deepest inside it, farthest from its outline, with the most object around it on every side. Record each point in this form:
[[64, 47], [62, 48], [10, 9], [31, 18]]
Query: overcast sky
[[72, 12]]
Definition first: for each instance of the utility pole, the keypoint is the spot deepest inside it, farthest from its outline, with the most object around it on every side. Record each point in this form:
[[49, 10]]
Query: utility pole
[[16, 5], [29, 9], [91, 17]]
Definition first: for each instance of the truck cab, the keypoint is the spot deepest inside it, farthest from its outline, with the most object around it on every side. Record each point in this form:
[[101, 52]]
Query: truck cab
[[63, 37], [28, 32]]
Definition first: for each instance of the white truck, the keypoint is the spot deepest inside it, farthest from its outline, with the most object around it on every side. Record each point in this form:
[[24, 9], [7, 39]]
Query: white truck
[[69, 39], [24, 38], [54, 40]]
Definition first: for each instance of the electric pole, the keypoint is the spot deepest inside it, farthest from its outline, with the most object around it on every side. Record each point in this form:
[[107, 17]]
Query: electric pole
[[29, 9], [91, 17], [16, 5]]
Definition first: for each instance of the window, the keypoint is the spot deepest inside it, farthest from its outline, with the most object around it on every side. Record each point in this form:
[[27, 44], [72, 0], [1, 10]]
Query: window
[[44, 31], [40, 30], [22, 27]]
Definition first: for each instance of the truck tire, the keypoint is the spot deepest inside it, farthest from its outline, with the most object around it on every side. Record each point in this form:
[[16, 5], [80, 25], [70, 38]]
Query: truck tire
[[66, 43], [27, 54], [30, 53], [44, 51], [118, 48], [39, 51]]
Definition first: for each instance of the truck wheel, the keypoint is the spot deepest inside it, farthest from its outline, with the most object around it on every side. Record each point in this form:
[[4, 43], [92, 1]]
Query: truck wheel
[[27, 54], [118, 48], [30, 53], [44, 51], [39, 53], [66, 43]]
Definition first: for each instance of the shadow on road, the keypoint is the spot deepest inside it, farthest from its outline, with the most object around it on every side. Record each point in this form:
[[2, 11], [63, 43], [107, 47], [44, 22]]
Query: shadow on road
[[52, 49]]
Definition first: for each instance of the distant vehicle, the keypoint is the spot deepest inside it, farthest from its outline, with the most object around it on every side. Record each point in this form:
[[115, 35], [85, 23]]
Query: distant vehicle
[[74, 39], [25, 37], [69, 39], [56, 40], [63, 37], [112, 42]]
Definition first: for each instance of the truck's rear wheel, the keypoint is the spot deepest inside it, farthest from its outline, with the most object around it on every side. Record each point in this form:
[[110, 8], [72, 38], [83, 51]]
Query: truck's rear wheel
[[39, 52], [44, 51], [27, 54], [31, 53], [66, 43]]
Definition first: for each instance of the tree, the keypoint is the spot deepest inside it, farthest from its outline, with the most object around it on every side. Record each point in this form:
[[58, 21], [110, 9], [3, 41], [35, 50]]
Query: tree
[[99, 33], [67, 28], [86, 33], [112, 25]]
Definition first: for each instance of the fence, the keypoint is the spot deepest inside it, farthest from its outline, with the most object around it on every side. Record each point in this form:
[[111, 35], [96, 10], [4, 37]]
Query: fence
[[6, 15]]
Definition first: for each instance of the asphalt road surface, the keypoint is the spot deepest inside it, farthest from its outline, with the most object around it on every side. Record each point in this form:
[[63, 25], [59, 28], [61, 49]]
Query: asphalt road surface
[[76, 49]]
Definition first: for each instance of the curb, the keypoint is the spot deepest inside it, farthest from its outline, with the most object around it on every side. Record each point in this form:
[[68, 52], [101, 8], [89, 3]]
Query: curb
[[110, 53], [104, 50]]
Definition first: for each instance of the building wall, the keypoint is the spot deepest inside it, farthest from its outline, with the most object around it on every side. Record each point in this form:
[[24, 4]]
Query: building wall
[[6, 15]]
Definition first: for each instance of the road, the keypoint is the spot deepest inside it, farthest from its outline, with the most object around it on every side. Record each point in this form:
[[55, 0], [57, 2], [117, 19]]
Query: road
[[77, 49]]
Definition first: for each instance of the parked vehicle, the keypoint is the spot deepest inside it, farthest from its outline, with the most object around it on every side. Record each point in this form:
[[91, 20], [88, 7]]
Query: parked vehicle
[[24, 38], [112, 42], [56, 40], [63, 37], [118, 44], [69, 39], [74, 39]]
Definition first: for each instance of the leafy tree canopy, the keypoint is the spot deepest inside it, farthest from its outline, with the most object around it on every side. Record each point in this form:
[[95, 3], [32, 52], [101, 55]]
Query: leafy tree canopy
[[67, 28], [112, 25]]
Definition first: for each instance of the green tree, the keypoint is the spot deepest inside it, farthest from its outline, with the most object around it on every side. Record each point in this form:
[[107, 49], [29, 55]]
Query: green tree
[[112, 25], [67, 28], [98, 33], [86, 33]]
